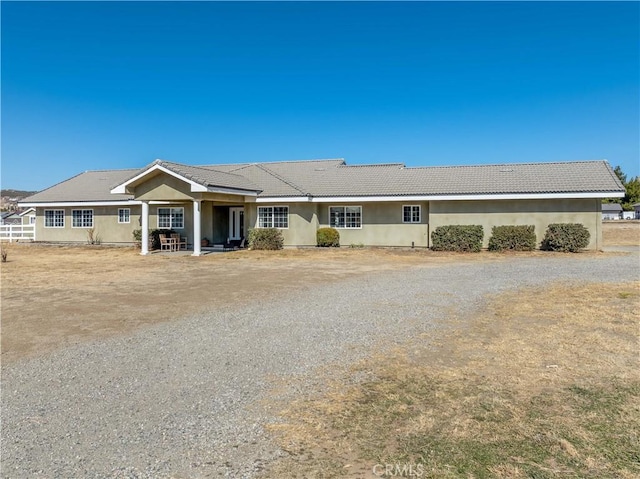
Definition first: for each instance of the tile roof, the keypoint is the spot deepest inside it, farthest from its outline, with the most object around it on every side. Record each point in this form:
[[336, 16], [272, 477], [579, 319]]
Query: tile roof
[[334, 178], [87, 186], [209, 177], [611, 207]]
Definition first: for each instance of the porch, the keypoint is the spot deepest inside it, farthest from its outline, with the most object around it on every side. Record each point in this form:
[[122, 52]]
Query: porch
[[206, 226]]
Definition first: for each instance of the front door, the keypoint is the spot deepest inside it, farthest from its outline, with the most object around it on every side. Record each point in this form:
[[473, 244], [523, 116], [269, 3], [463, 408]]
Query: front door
[[236, 223]]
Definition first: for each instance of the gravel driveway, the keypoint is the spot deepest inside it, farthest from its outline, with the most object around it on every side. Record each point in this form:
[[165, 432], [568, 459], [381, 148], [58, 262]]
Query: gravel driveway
[[186, 398]]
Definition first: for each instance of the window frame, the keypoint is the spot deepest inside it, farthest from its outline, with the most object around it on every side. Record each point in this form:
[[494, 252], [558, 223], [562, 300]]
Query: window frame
[[344, 217], [411, 213], [272, 217], [128, 214], [82, 219], [53, 225], [172, 217]]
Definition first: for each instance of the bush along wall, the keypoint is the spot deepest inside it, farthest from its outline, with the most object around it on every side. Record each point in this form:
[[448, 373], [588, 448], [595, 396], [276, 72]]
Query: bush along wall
[[265, 239], [565, 237], [512, 238], [327, 237], [457, 238]]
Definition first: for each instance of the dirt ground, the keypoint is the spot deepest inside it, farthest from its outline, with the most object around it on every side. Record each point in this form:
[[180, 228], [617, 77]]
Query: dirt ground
[[621, 233], [55, 296]]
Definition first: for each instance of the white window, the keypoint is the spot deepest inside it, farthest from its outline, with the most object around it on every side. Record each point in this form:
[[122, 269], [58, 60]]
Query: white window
[[171, 218], [124, 215], [54, 218], [411, 214], [82, 218], [345, 216], [273, 217]]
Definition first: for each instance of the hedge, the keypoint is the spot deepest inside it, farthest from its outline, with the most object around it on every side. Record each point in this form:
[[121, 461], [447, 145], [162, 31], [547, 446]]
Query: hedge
[[265, 238], [513, 238], [327, 237], [457, 238], [565, 237]]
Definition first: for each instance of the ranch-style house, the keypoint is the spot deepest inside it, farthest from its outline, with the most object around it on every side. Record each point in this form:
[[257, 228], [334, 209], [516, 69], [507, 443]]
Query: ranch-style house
[[373, 205]]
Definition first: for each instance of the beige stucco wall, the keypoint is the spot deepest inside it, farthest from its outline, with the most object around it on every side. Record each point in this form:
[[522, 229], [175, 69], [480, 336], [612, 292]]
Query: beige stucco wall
[[105, 224], [163, 187], [382, 224], [539, 213], [303, 222]]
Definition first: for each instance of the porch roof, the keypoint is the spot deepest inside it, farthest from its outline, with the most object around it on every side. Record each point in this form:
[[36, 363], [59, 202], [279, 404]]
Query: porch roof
[[201, 179]]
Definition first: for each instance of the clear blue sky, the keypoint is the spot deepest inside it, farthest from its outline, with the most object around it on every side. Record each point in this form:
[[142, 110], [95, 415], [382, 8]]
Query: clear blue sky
[[117, 84]]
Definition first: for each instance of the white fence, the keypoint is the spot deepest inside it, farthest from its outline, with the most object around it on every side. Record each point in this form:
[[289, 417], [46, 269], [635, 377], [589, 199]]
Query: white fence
[[17, 232]]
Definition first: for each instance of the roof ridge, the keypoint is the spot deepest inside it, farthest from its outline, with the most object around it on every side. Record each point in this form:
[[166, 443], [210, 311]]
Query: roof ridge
[[484, 165], [298, 161], [373, 165], [613, 174], [272, 173], [204, 168], [203, 181]]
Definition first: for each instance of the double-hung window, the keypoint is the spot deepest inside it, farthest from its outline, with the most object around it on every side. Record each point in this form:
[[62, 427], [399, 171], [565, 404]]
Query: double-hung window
[[345, 216], [411, 214], [171, 218], [54, 218], [124, 215], [273, 217], [82, 218]]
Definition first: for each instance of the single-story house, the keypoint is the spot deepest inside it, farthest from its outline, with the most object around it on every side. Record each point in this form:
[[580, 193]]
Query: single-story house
[[611, 211], [373, 205]]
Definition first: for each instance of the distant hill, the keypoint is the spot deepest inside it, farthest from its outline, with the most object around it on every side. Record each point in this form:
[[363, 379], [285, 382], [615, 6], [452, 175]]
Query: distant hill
[[16, 193]]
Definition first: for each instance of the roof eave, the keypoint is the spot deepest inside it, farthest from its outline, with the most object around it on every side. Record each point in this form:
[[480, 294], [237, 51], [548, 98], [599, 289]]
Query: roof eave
[[443, 197]]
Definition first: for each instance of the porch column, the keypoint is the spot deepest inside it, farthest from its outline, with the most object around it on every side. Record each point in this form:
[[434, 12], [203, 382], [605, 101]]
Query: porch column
[[196, 227], [145, 228]]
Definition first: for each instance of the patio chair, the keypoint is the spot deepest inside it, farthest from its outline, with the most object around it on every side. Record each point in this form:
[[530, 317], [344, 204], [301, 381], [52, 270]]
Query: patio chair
[[180, 241], [166, 243]]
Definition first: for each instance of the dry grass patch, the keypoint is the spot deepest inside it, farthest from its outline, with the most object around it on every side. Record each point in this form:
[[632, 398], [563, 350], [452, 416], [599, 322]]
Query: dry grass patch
[[541, 383], [621, 233], [55, 296]]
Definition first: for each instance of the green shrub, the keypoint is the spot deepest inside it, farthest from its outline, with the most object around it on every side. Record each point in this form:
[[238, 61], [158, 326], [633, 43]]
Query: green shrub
[[514, 238], [265, 238], [566, 237], [457, 238], [328, 237]]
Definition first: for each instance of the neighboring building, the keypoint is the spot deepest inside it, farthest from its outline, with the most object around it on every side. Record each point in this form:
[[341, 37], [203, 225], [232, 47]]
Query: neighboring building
[[611, 211], [375, 205], [28, 216], [10, 218], [628, 215], [636, 210]]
